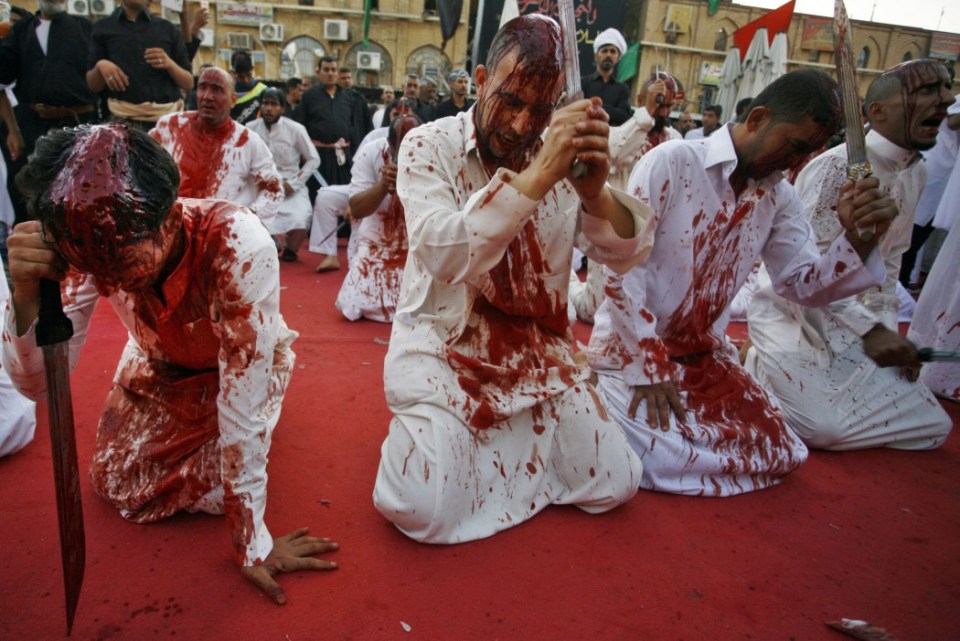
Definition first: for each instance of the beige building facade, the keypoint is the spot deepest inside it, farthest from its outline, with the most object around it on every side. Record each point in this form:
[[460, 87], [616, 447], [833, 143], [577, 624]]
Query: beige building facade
[[404, 37], [680, 36]]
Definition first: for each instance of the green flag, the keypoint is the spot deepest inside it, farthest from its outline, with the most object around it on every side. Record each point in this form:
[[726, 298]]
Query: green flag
[[712, 7], [367, 4], [627, 68]]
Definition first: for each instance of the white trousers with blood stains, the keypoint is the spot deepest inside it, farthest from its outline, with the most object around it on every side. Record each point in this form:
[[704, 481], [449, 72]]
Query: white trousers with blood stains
[[442, 482], [332, 202], [702, 459], [848, 403]]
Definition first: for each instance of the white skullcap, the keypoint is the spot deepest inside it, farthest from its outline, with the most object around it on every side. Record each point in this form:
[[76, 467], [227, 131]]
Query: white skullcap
[[610, 37]]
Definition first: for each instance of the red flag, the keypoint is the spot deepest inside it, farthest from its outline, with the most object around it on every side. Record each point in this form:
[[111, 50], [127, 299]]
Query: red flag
[[776, 21]]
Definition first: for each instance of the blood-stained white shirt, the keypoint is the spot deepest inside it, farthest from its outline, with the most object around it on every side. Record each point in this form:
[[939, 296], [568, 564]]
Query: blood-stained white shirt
[[219, 312], [902, 177], [481, 326], [229, 162], [707, 241], [365, 173], [630, 141]]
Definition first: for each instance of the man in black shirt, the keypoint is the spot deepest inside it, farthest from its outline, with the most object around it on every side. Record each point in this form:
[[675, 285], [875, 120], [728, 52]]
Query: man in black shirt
[[46, 56], [608, 48], [328, 113], [459, 81], [141, 61]]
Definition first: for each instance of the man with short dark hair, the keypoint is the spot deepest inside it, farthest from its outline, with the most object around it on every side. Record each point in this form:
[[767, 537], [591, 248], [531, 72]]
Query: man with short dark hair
[[329, 112], [699, 422], [248, 90], [345, 77], [140, 61], [295, 91], [844, 375], [741, 108], [493, 418], [198, 390], [217, 156], [296, 159], [608, 47], [685, 123], [459, 82], [711, 121]]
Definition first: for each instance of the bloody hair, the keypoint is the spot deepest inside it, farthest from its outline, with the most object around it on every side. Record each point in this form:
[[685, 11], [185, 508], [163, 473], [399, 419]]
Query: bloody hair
[[533, 37], [150, 176]]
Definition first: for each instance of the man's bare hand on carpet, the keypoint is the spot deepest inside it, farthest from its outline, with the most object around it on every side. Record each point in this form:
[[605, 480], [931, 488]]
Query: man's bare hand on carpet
[[662, 398], [291, 552]]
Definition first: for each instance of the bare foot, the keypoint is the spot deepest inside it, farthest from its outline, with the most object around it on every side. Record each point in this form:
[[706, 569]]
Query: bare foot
[[328, 264]]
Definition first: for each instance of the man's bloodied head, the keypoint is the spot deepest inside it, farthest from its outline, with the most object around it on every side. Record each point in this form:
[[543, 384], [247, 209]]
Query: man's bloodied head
[[518, 89], [907, 103], [215, 96], [106, 196]]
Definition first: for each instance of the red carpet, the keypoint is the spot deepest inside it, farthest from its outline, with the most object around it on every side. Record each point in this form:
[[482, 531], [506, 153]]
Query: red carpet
[[872, 535]]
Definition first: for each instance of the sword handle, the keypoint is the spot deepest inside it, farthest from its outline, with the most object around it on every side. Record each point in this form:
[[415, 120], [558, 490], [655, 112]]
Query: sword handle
[[53, 326], [855, 172]]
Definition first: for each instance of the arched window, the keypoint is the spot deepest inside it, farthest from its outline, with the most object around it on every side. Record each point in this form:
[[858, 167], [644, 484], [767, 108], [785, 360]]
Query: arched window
[[863, 58], [428, 60], [720, 44], [299, 58], [907, 56], [372, 64]]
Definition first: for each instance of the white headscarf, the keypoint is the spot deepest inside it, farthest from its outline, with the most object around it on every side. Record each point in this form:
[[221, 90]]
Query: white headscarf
[[610, 37]]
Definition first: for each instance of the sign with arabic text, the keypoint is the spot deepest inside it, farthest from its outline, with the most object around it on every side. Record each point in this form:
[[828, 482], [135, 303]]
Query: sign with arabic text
[[243, 15]]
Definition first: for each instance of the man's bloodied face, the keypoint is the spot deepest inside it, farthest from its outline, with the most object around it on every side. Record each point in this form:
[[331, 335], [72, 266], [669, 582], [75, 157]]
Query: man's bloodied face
[[912, 118], [779, 145], [215, 96], [514, 106]]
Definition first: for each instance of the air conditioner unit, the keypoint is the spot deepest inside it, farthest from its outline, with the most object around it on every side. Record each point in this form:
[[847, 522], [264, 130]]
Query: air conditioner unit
[[338, 30], [237, 40], [271, 32], [102, 7], [206, 37], [368, 61], [78, 7], [432, 71]]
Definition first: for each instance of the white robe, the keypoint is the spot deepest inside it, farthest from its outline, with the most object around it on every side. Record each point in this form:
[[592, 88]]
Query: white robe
[[197, 393], [18, 414], [665, 319], [628, 143], [290, 146], [373, 280], [493, 420], [832, 394], [233, 164], [936, 322]]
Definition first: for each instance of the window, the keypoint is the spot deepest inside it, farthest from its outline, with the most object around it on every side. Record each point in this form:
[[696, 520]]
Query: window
[[907, 57], [814, 56], [863, 58], [299, 58], [720, 44]]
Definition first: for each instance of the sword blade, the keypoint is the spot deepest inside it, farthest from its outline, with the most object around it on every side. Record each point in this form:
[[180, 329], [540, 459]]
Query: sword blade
[[571, 56], [857, 165], [54, 330], [571, 64], [928, 355]]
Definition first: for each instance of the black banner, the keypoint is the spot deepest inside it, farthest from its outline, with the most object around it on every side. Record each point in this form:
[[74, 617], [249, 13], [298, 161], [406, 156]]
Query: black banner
[[593, 16]]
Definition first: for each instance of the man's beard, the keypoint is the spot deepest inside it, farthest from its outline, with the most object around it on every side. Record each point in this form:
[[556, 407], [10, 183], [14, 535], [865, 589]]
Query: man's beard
[[607, 65], [660, 123]]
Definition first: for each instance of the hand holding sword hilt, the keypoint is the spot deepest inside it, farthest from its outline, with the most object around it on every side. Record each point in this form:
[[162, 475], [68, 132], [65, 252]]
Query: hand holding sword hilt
[[856, 172], [53, 325]]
